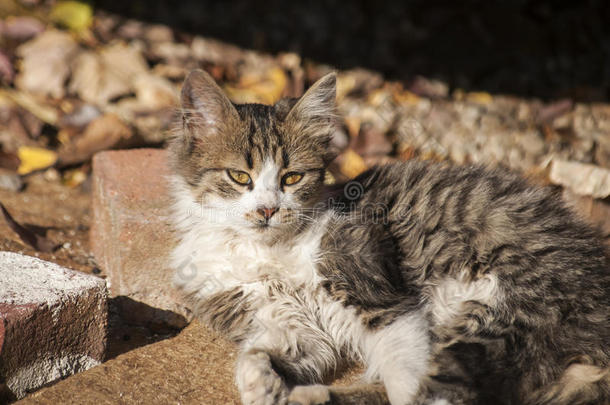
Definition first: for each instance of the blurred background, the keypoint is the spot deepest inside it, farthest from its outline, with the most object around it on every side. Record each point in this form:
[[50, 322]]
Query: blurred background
[[523, 84], [540, 48]]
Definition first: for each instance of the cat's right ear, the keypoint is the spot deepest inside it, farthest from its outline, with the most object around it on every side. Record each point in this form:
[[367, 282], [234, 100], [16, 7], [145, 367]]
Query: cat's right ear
[[206, 110]]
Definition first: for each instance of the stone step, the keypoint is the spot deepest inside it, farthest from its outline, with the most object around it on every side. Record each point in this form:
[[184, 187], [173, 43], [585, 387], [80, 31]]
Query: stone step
[[52, 323]]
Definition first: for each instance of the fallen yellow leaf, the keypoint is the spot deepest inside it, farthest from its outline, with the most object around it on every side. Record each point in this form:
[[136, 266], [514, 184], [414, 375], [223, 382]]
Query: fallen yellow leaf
[[33, 158], [458, 94], [29, 102], [73, 15], [353, 125], [345, 84], [73, 178], [352, 164], [266, 88], [479, 97], [379, 97], [406, 97]]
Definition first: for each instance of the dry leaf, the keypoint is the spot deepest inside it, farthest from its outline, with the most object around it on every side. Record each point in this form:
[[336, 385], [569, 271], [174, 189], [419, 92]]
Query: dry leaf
[[353, 125], [158, 33], [98, 78], [9, 161], [170, 71], [22, 28], [405, 97], [371, 141], [105, 132], [9, 180], [215, 52], [32, 105], [73, 15], [406, 152], [38, 242], [345, 84], [583, 179], [357, 81], [429, 88], [6, 69], [155, 92], [74, 178], [91, 81], [45, 64], [171, 52], [351, 164], [549, 112], [153, 126], [598, 211], [33, 158], [256, 87], [379, 97], [80, 116], [479, 97], [150, 125]]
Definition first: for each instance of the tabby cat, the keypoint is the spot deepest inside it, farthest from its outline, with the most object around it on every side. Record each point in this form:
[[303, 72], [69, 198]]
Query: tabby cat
[[452, 285]]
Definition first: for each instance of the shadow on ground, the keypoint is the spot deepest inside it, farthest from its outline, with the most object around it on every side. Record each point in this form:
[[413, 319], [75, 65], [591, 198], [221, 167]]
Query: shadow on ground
[[132, 325]]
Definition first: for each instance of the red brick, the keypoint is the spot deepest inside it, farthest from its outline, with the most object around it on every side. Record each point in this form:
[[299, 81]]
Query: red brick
[[131, 236], [52, 323]]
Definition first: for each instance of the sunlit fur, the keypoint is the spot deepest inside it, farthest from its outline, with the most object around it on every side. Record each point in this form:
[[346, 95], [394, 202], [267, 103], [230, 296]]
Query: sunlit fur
[[452, 285]]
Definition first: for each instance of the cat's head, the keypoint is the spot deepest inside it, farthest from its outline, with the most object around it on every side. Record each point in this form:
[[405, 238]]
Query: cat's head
[[254, 166]]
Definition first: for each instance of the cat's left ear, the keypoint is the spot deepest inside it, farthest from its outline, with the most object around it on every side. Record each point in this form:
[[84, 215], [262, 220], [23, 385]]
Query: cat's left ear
[[314, 116], [206, 110]]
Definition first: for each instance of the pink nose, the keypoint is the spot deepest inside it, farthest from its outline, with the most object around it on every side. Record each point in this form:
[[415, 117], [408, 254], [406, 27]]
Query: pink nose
[[267, 212]]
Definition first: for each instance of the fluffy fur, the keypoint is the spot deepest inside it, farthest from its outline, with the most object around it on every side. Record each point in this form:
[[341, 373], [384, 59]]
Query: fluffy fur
[[453, 285]]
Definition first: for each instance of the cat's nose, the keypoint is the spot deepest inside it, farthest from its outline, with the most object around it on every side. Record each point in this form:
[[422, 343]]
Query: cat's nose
[[267, 212]]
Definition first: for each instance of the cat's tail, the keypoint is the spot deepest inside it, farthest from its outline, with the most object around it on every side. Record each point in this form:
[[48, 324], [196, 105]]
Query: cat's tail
[[578, 385]]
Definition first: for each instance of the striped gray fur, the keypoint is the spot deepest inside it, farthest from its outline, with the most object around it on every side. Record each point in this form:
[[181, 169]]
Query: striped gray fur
[[503, 292]]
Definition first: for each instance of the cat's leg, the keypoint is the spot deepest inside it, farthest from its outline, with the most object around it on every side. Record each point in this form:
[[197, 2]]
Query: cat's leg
[[451, 379], [398, 355], [465, 358], [369, 394], [257, 381], [316, 394], [260, 384], [286, 343]]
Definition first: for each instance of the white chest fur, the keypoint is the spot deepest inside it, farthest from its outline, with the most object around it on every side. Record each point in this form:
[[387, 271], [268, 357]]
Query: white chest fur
[[208, 260]]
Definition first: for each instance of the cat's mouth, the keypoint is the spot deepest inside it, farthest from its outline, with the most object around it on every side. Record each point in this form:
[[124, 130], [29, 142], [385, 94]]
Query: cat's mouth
[[262, 225]]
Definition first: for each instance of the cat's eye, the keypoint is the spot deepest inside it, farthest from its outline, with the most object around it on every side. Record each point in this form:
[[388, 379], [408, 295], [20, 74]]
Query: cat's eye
[[291, 178], [239, 177]]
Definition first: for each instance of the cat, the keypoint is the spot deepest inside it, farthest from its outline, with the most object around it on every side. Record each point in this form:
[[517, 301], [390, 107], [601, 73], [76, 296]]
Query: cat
[[452, 285]]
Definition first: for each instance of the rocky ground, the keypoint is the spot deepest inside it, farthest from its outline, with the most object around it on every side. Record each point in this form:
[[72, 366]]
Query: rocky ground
[[76, 81]]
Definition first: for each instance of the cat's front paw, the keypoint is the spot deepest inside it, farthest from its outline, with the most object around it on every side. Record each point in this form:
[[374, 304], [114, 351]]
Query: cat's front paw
[[259, 384], [309, 395]]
